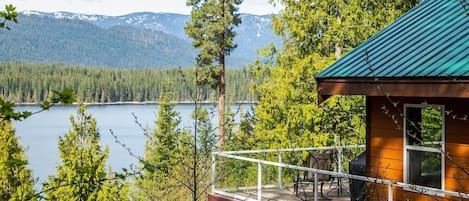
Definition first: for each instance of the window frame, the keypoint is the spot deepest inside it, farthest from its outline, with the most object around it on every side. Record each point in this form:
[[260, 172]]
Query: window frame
[[407, 148]]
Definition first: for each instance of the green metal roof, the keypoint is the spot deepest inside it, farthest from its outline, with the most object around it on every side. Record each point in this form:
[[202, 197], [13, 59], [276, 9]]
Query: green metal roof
[[430, 40]]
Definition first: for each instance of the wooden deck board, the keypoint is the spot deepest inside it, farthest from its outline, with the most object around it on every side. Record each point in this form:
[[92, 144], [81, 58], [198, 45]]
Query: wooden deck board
[[287, 194]]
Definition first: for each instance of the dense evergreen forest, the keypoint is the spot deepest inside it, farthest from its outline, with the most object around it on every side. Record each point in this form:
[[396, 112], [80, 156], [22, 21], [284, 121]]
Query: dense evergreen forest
[[33, 83]]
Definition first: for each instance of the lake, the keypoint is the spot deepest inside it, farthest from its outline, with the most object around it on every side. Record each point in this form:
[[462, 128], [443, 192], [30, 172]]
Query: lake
[[39, 133]]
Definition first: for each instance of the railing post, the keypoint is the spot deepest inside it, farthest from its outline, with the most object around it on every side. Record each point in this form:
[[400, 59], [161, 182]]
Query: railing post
[[315, 186], [280, 186], [213, 172], [390, 192], [340, 159], [259, 181]]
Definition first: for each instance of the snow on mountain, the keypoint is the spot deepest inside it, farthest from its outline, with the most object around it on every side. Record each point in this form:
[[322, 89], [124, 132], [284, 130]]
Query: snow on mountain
[[253, 33]]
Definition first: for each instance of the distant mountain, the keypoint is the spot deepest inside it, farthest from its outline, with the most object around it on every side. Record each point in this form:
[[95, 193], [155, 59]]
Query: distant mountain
[[134, 40], [48, 40], [254, 32]]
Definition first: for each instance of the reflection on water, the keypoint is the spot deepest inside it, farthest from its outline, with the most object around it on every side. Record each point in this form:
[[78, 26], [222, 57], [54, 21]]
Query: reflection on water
[[39, 133]]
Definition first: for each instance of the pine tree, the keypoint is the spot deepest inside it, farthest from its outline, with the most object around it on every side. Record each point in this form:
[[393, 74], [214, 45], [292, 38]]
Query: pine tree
[[82, 175], [211, 28], [161, 160], [16, 181], [177, 161]]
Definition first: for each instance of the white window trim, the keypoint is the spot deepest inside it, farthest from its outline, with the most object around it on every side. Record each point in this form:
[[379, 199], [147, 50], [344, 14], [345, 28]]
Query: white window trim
[[426, 149]]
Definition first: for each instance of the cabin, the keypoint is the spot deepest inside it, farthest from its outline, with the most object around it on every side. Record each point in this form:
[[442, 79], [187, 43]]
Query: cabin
[[415, 76]]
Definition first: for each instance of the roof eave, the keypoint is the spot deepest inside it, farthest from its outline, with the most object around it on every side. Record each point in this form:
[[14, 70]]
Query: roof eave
[[415, 87]]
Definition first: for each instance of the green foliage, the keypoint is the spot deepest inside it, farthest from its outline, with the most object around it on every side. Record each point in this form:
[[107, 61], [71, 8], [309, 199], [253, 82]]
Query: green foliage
[[240, 137], [315, 33], [9, 14], [162, 154], [287, 113], [196, 153], [205, 132], [177, 164], [211, 28], [161, 148], [25, 83], [7, 111], [16, 181], [431, 127], [325, 26], [82, 175]]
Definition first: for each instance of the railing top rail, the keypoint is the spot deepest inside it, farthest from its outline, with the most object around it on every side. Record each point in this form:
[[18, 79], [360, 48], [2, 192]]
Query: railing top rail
[[422, 189], [288, 149]]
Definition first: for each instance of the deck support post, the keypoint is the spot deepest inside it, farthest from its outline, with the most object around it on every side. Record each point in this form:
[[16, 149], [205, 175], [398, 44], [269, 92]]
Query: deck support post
[[390, 198], [259, 181], [339, 158], [280, 185], [213, 173], [315, 186]]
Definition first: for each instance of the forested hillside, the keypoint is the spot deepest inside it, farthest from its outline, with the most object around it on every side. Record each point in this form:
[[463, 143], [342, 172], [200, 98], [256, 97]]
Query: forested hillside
[[47, 40], [140, 40], [253, 33], [32, 83]]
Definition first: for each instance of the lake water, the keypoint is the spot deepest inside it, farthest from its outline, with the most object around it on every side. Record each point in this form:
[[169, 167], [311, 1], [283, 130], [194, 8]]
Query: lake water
[[39, 133]]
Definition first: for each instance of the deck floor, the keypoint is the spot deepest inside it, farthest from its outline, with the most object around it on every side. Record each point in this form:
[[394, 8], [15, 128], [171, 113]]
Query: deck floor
[[330, 192]]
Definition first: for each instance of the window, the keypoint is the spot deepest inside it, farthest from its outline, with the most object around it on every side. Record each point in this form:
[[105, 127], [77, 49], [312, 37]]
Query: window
[[424, 145]]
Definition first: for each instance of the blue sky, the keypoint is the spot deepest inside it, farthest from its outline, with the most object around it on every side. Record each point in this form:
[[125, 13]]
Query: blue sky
[[121, 7]]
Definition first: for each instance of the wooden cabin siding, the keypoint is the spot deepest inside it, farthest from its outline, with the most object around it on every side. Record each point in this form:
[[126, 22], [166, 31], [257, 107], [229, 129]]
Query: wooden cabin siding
[[215, 197], [385, 143]]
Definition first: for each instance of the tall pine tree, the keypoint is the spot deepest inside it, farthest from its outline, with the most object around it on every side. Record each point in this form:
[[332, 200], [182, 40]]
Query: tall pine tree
[[82, 175], [211, 27]]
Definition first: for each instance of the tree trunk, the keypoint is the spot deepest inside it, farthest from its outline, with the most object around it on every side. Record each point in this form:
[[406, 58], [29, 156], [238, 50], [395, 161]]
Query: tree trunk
[[221, 106], [221, 87], [338, 48]]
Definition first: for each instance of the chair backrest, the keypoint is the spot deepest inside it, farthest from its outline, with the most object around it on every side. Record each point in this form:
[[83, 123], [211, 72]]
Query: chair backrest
[[322, 161]]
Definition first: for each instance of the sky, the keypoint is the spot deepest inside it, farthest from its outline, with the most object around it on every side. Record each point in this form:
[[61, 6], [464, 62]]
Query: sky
[[121, 7]]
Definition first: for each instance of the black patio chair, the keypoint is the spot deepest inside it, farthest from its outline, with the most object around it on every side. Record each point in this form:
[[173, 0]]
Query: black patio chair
[[322, 161]]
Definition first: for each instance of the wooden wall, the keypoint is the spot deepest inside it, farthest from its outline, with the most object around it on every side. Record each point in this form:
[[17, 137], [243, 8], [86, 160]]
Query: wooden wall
[[214, 197], [385, 143]]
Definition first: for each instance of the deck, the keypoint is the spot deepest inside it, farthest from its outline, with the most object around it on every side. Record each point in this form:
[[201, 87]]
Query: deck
[[330, 192], [267, 188]]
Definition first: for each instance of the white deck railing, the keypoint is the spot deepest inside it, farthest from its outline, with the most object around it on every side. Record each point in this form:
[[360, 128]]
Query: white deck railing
[[237, 156]]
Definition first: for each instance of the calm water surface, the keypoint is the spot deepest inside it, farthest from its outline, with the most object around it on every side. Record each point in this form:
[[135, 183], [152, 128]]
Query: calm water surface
[[39, 133]]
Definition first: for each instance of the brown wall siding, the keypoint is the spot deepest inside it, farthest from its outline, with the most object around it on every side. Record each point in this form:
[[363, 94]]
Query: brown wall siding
[[385, 142], [214, 197]]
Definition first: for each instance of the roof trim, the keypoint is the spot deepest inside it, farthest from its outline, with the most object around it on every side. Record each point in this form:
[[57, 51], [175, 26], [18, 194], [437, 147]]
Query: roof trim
[[391, 87]]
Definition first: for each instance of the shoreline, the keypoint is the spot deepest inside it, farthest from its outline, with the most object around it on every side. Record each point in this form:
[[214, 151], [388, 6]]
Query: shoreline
[[139, 103]]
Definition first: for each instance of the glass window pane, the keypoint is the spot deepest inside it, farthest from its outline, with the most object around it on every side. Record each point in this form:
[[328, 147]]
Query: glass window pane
[[424, 168], [424, 126], [432, 126]]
